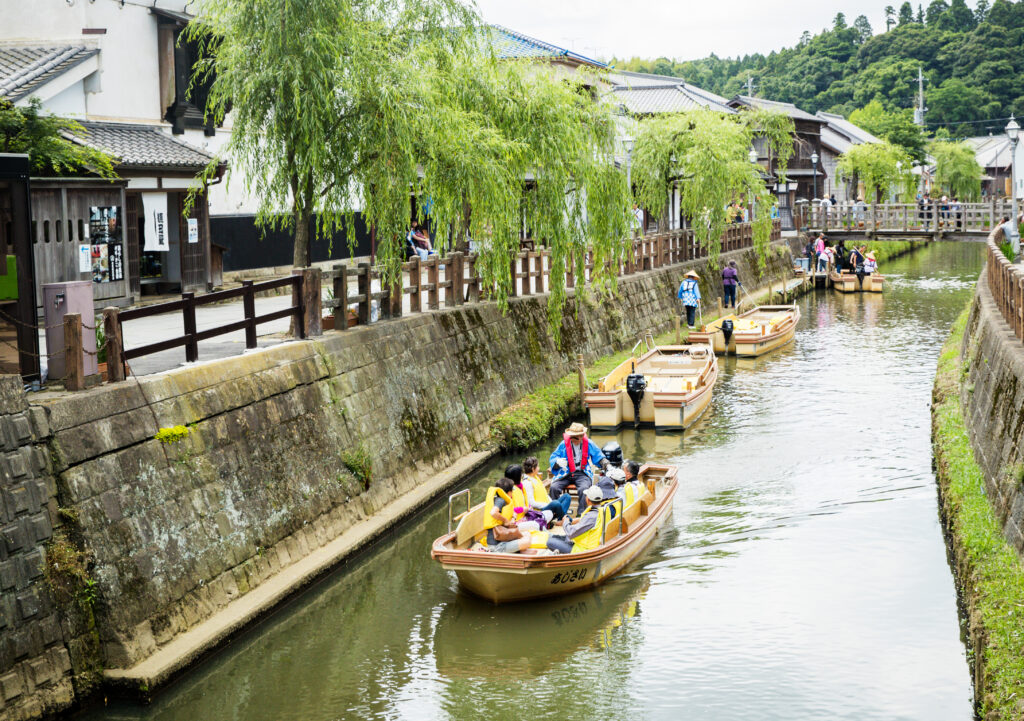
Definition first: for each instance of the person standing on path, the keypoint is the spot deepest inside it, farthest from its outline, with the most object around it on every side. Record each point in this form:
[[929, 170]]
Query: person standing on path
[[730, 279], [689, 294]]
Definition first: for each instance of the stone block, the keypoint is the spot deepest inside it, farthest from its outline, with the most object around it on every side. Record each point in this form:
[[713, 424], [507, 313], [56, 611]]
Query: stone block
[[9, 574], [12, 685], [40, 527], [13, 536], [20, 498], [40, 670], [31, 565], [61, 660], [39, 421], [19, 429], [28, 604], [16, 464], [49, 630]]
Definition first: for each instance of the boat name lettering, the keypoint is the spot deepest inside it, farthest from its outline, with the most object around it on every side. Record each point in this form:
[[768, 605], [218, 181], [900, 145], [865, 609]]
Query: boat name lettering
[[570, 576]]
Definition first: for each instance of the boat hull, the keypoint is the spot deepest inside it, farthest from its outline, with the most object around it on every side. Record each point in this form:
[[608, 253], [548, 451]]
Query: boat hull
[[850, 283], [750, 344]]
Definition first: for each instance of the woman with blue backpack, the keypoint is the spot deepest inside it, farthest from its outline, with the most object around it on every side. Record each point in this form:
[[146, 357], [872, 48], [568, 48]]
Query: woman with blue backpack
[[689, 295]]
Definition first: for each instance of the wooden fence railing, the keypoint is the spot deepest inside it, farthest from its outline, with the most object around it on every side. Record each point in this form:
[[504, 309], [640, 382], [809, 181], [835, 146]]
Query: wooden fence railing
[[451, 280], [1006, 283], [977, 218]]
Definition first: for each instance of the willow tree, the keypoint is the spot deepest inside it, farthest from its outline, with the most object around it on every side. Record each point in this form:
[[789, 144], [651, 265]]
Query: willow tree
[[882, 167], [957, 171], [345, 106], [706, 155]]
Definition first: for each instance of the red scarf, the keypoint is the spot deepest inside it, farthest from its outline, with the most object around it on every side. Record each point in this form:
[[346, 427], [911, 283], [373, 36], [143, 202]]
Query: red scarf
[[584, 452]]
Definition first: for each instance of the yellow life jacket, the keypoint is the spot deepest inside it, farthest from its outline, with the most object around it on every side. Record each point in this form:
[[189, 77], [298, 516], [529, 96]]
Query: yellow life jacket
[[539, 539], [519, 501], [540, 493], [591, 539], [489, 520], [630, 493]]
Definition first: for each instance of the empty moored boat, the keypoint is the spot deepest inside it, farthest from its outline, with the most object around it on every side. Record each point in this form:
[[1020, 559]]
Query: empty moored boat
[[668, 387], [853, 283], [504, 577], [750, 334]]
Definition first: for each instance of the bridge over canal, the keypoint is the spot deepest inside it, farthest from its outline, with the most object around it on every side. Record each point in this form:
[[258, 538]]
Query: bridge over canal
[[904, 221]]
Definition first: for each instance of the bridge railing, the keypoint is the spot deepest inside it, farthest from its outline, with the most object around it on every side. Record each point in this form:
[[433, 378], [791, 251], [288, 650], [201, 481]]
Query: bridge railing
[[1006, 282], [935, 217]]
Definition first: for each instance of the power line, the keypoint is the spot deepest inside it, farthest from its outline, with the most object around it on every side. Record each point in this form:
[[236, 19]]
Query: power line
[[972, 122]]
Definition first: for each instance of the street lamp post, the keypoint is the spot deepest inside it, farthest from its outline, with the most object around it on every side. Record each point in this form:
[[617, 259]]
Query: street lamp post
[[1013, 133], [814, 162], [627, 143], [752, 156], [899, 174]]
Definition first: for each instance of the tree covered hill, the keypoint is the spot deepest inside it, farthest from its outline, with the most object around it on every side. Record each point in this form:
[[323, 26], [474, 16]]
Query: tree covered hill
[[973, 62]]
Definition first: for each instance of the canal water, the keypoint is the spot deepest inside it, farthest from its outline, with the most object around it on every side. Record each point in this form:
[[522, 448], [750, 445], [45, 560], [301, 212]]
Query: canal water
[[802, 574]]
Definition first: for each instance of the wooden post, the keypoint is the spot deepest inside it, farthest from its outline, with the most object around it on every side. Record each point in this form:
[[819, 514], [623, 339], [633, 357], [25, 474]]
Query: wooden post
[[456, 270], [514, 270], [115, 345], [721, 311], [188, 314], [363, 286], [308, 293], [415, 281], [526, 273], [249, 311], [432, 277], [341, 297], [395, 301], [679, 338], [582, 375], [74, 355]]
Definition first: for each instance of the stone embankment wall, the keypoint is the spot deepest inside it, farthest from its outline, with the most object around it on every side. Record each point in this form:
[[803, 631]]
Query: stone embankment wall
[[267, 462], [993, 402]]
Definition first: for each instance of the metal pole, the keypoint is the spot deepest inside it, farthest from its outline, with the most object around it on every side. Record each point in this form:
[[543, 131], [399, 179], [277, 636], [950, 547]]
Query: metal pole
[[1015, 238]]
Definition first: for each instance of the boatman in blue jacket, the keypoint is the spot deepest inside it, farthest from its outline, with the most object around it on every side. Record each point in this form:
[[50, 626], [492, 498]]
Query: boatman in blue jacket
[[572, 461], [689, 294]]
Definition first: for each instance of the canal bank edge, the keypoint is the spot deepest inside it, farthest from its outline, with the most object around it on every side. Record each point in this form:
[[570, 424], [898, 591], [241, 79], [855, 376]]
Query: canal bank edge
[[177, 495], [989, 574]]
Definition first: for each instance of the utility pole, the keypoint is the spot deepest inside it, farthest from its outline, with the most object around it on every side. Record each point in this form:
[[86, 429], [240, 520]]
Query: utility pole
[[919, 110], [750, 86]]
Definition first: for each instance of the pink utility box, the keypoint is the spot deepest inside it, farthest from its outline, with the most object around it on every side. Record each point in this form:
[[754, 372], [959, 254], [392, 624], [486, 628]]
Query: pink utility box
[[59, 299]]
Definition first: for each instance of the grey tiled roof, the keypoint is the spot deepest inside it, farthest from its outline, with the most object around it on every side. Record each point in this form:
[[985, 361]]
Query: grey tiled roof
[[509, 44], [23, 68], [787, 108], [142, 146], [645, 94]]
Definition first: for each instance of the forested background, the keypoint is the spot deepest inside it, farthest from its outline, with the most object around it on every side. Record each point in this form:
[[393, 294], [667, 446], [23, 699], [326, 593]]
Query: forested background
[[973, 62]]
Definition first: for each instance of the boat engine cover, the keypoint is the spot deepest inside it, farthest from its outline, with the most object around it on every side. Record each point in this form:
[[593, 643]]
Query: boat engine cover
[[727, 328], [613, 452]]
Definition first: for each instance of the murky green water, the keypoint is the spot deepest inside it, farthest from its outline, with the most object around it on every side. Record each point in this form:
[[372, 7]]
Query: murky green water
[[802, 575]]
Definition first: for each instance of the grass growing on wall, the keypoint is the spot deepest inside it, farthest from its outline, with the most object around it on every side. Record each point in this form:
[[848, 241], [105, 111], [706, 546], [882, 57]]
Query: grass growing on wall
[[991, 575]]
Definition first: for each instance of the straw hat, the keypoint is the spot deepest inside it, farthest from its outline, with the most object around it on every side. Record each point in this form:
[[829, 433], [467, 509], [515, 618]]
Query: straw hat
[[692, 274], [871, 255], [594, 494], [576, 429]]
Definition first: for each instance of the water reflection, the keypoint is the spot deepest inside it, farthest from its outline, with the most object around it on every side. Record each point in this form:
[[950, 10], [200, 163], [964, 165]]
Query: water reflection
[[802, 574]]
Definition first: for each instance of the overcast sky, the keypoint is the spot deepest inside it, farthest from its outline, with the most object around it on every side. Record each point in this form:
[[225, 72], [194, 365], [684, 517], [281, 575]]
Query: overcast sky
[[680, 29]]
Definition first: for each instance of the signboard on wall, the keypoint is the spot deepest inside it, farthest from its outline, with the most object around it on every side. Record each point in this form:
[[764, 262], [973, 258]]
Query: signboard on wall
[[103, 257], [193, 230], [154, 207]]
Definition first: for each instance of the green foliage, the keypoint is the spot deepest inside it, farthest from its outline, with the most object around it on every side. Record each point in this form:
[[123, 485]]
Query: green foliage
[[896, 126], [172, 434], [359, 462], [706, 153], [882, 167], [844, 68], [339, 106], [989, 571], [66, 569], [27, 130], [957, 170], [101, 344]]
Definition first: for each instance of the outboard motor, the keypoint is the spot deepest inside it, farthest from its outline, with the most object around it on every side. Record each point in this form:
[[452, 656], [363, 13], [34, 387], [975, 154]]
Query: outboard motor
[[636, 384], [727, 328], [613, 452]]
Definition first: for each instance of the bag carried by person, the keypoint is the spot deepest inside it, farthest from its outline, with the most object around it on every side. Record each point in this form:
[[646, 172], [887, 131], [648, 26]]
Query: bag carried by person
[[506, 533]]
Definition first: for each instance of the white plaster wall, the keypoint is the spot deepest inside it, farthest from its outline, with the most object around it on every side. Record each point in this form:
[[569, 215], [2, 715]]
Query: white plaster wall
[[69, 103]]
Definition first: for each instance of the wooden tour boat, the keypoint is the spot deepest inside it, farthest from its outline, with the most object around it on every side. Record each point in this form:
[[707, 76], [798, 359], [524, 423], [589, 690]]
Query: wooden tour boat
[[504, 577], [752, 333], [852, 283], [668, 387]]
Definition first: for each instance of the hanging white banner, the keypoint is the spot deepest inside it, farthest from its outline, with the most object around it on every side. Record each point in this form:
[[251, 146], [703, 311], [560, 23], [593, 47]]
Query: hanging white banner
[[154, 205]]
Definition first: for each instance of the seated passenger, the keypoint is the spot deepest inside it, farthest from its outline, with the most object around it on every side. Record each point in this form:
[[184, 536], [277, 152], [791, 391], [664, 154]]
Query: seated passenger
[[525, 517], [633, 481], [499, 513], [585, 532], [537, 496], [571, 462]]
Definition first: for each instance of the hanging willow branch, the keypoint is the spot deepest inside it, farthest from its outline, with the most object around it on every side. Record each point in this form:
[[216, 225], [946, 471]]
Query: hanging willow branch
[[882, 167], [706, 153]]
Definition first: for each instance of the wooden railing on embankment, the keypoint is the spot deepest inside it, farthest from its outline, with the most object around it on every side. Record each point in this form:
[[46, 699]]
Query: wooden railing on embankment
[[451, 280], [1006, 283]]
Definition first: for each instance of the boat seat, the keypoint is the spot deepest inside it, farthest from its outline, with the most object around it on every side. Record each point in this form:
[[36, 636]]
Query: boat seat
[[645, 502], [613, 528], [630, 515], [471, 526]]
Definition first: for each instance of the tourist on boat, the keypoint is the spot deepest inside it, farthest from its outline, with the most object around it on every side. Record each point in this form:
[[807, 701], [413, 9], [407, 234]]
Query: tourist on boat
[[571, 462], [870, 266], [730, 279], [537, 496], [857, 259], [527, 518], [499, 513], [689, 294], [585, 532]]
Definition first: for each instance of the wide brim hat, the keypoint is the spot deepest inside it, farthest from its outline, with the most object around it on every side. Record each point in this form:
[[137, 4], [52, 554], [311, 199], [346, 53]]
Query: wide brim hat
[[870, 255], [692, 274], [576, 429]]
